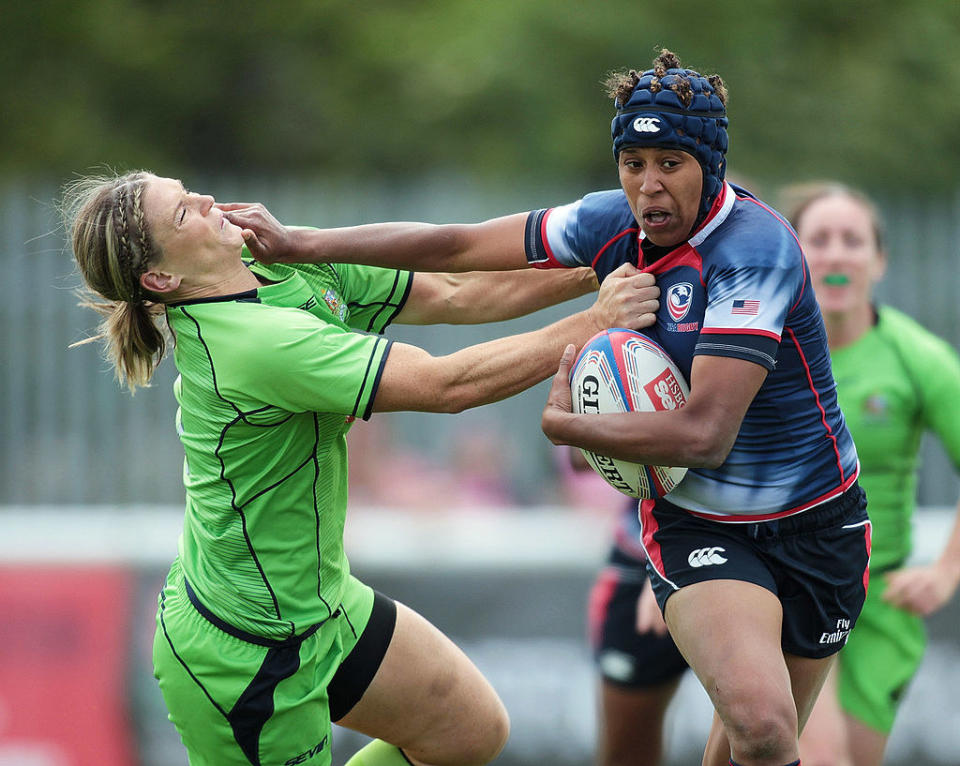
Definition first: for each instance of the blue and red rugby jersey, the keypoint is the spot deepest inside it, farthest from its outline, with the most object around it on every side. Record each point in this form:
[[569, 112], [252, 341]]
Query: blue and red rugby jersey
[[739, 287]]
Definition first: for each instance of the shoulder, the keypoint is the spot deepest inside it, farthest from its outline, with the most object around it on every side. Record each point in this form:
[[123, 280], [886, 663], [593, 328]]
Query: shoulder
[[607, 210], [755, 233], [248, 330], [919, 345], [575, 234]]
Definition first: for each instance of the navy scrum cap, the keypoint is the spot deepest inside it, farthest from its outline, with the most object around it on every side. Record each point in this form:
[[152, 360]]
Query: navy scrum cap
[[655, 115]]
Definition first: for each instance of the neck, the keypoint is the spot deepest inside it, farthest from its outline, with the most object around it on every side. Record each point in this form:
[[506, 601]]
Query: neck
[[238, 280], [846, 327]]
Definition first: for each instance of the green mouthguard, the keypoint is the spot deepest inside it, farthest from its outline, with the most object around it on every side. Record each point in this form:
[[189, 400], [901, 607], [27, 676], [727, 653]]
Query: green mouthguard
[[836, 280]]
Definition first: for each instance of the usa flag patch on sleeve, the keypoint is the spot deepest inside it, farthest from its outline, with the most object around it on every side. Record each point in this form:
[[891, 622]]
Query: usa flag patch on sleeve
[[751, 308]]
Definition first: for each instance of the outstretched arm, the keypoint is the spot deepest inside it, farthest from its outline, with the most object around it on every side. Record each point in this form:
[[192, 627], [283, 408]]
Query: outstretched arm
[[475, 297], [494, 245], [412, 379], [492, 296]]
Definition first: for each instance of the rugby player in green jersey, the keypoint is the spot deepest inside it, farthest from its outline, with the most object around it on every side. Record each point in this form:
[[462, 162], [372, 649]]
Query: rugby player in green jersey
[[895, 380], [263, 636]]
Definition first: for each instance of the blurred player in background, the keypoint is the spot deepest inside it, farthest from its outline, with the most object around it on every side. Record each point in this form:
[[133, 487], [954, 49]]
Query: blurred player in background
[[895, 380], [638, 665], [737, 551], [263, 636]]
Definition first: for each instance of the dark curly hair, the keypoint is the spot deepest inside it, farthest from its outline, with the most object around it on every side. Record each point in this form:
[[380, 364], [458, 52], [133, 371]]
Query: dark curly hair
[[620, 85]]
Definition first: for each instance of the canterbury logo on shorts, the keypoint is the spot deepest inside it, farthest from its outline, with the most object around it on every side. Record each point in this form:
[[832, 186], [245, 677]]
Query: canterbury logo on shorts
[[704, 557]]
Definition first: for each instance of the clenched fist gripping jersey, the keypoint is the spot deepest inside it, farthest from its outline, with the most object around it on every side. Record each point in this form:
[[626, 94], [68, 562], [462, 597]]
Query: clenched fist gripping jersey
[[739, 287], [270, 381]]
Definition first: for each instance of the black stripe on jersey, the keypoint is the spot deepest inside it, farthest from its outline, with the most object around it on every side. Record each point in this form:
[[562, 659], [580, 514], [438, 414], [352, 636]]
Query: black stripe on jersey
[[388, 303], [401, 303], [753, 348], [248, 296], [531, 237], [376, 382], [366, 376]]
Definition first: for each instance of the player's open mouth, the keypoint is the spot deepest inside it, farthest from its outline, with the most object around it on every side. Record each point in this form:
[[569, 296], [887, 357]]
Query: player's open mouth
[[655, 217]]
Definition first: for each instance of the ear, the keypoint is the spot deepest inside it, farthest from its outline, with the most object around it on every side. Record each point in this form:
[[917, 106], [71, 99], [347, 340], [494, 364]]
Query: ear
[[880, 266], [159, 281]]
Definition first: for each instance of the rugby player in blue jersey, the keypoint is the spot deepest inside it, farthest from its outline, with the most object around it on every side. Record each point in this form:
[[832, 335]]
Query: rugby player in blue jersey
[[759, 557]]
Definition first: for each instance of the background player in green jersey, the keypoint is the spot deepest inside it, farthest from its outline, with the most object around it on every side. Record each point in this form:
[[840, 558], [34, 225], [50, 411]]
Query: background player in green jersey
[[263, 636], [895, 380]]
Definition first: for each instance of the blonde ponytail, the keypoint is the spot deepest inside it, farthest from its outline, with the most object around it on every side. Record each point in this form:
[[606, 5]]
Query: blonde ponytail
[[112, 247]]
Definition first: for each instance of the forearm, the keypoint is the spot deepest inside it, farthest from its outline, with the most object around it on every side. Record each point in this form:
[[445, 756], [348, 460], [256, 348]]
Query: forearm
[[698, 435], [491, 296], [480, 374], [489, 246], [650, 438]]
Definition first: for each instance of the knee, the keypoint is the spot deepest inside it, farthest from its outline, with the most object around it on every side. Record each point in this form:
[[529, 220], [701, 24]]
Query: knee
[[493, 737], [481, 741], [761, 729]]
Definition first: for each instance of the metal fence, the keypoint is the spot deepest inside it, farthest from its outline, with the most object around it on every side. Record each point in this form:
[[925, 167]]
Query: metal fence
[[71, 436]]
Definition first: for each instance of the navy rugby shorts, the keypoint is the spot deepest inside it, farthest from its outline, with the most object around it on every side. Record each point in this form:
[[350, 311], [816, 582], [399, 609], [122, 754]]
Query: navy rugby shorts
[[815, 562]]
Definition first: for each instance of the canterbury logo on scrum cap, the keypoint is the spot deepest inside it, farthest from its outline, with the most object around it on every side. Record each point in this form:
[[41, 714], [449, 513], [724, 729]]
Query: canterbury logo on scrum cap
[[647, 125]]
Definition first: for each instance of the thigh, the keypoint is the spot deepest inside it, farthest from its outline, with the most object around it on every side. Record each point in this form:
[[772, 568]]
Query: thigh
[[427, 696], [729, 633]]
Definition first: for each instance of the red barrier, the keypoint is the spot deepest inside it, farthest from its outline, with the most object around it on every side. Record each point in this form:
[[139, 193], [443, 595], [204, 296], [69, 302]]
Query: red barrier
[[63, 665]]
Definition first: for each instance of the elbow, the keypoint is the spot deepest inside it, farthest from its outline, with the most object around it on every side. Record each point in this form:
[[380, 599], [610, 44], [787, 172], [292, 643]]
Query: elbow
[[710, 460], [710, 449], [456, 399], [451, 398]]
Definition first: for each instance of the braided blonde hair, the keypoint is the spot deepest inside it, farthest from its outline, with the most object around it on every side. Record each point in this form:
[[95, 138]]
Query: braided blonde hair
[[113, 247]]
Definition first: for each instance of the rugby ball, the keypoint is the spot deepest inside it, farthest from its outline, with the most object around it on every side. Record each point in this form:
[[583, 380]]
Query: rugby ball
[[623, 371]]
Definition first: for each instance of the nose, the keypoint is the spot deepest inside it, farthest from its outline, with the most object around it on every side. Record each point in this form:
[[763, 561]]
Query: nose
[[651, 182]]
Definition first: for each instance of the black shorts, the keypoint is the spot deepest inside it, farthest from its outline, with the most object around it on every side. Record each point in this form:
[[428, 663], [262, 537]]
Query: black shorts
[[815, 562], [623, 656]]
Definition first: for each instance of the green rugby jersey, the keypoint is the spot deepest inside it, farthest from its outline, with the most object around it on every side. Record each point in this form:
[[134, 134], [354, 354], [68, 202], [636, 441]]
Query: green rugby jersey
[[269, 383], [894, 383]]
